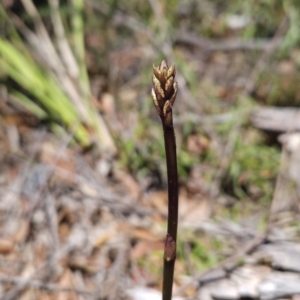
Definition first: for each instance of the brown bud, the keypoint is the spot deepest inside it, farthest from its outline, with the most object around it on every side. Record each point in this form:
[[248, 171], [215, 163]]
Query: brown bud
[[171, 72], [164, 87], [169, 87], [175, 87], [155, 101], [163, 65], [160, 94], [156, 71], [167, 108]]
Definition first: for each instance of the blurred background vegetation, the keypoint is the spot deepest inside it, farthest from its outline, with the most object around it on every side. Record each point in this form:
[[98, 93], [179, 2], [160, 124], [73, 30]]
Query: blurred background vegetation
[[84, 67], [73, 64]]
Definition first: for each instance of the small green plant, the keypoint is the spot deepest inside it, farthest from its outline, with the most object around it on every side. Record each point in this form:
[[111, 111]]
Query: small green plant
[[49, 75], [164, 93], [200, 251], [253, 170]]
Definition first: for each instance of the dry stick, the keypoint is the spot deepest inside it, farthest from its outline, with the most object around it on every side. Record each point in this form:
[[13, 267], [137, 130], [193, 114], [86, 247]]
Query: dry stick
[[227, 44], [227, 265], [35, 199], [188, 38], [38, 284], [164, 93], [62, 43]]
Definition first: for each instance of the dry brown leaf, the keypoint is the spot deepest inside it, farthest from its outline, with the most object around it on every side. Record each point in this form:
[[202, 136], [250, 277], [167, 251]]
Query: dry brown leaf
[[129, 182], [66, 215], [191, 290], [64, 160], [128, 95], [23, 232], [103, 237], [220, 58], [30, 294], [6, 246], [194, 210], [82, 263], [142, 248], [144, 234], [88, 190], [159, 200], [48, 154], [66, 281], [107, 104], [64, 230], [138, 233], [286, 67], [197, 144], [20, 120]]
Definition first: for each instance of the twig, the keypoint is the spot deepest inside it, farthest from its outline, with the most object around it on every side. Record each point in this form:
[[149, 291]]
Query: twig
[[226, 265], [117, 270], [204, 119], [206, 44], [265, 56], [38, 284], [227, 44], [275, 119], [62, 42], [121, 19], [164, 93], [35, 202], [14, 190], [52, 220], [25, 282]]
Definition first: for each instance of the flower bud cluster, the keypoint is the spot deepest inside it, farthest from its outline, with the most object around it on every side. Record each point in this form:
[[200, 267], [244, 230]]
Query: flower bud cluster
[[164, 88]]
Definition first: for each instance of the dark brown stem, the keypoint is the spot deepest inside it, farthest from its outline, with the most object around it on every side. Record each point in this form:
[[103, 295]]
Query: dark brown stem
[[170, 243], [170, 147]]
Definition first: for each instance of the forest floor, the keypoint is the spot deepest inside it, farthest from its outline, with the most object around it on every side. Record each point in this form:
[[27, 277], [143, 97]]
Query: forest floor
[[76, 225], [85, 224]]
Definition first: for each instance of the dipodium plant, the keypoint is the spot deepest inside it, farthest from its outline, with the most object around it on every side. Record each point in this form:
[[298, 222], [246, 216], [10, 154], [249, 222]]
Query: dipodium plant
[[164, 93]]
